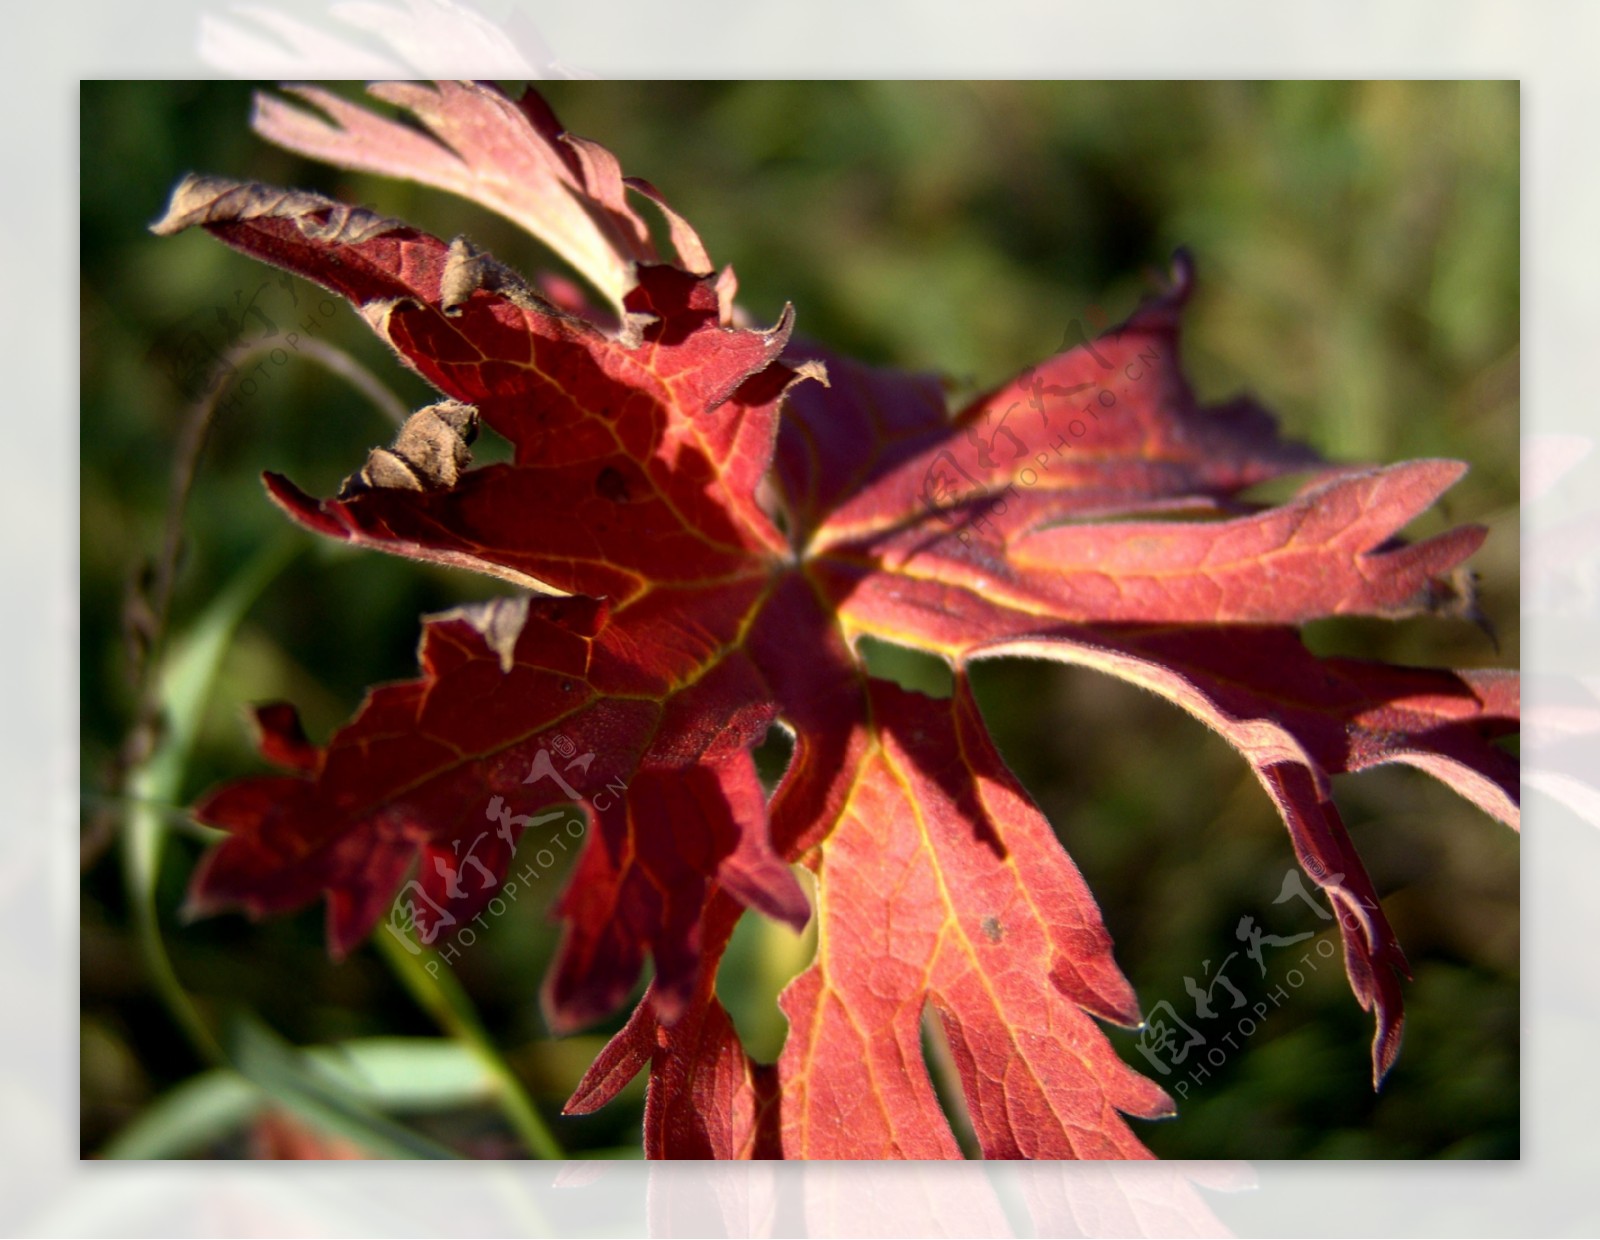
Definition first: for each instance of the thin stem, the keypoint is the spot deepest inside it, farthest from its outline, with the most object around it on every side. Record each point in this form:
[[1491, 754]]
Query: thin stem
[[438, 994], [153, 951], [197, 425], [358, 377]]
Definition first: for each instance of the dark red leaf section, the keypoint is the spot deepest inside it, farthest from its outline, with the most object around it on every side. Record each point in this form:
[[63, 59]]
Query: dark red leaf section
[[708, 518], [1109, 428], [521, 711]]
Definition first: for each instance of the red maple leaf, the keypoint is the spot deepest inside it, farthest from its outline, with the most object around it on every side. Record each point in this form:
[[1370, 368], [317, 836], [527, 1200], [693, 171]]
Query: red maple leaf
[[706, 517]]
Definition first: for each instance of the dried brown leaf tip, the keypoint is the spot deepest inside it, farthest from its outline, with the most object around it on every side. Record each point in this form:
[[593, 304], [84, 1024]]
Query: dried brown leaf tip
[[209, 200], [429, 454]]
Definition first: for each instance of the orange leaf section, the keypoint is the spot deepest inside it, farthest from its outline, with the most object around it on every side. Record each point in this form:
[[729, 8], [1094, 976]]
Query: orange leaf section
[[939, 885], [1318, 556], [1328, 553], [942, 885]]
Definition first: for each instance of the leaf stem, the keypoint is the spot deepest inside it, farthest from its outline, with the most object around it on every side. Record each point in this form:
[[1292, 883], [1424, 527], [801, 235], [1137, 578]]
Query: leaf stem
[[153, 951], [441, 996]]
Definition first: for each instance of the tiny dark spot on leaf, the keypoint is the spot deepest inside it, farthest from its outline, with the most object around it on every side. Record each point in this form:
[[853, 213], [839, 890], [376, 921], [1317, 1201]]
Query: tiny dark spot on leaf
[[992, 930], [612, 485]]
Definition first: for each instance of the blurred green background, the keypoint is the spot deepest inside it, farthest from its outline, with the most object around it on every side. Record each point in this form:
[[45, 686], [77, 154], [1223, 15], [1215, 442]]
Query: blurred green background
[[1357, 249]]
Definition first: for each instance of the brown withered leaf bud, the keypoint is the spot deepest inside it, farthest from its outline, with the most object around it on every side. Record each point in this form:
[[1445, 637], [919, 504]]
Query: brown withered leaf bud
[[429, 454]]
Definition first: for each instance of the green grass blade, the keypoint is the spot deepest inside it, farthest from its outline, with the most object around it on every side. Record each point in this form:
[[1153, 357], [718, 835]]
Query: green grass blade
[[186, 677], [299, 1083], [188, 1117], [441, 996]]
